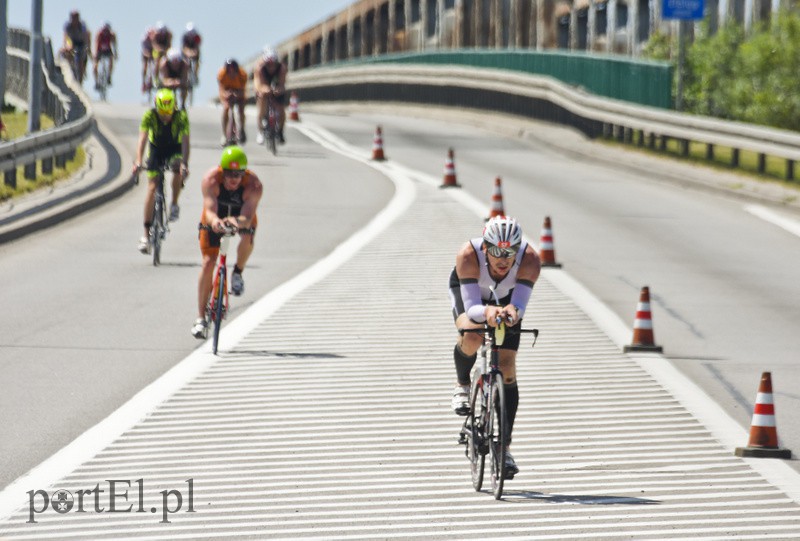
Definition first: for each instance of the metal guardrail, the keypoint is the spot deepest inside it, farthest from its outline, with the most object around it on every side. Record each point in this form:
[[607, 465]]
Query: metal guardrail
[[69, 109], [543, 98]]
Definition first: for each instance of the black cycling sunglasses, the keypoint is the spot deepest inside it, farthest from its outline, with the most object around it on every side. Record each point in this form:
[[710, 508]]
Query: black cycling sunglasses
[[505, 253]]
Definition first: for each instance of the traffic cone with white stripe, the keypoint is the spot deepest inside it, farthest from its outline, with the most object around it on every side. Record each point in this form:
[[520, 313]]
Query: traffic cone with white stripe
[[377, 145], [547, 251], [643, 339], [763, 430], [293, 109], [497, 201], [449, 172]]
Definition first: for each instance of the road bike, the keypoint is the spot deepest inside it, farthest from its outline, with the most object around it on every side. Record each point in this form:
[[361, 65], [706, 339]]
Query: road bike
[[232, 129], [160, 226], [269, 125], [217, 306], [485, 430], [103, 76], [151, 81], [192, 81], [77, 58]]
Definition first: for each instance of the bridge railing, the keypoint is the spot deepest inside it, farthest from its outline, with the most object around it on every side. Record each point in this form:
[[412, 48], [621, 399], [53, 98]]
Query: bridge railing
[[61, 101], [543, 98]]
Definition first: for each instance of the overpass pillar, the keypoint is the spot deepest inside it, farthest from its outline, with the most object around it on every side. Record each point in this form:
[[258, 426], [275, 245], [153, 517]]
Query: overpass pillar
[[391, 25]]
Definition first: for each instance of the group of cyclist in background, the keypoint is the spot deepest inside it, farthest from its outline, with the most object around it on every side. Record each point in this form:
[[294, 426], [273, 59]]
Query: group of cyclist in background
[[76, 47]]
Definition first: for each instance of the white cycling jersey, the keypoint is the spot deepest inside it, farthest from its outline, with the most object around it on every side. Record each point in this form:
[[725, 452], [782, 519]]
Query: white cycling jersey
[[486, 282]]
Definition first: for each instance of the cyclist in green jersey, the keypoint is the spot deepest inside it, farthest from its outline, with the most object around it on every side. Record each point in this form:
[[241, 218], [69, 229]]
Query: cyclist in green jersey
[[164, 131]]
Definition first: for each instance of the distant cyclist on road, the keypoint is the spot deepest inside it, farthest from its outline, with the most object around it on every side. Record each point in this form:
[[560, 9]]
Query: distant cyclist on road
[[498, 264], [231, 193], [164, 131], [105, 45], [77, 40], [232, 81], [173, 73], [190, 43], [269, 79]]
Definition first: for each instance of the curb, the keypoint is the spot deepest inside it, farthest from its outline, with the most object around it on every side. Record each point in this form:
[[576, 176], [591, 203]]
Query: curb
[[112, 184]]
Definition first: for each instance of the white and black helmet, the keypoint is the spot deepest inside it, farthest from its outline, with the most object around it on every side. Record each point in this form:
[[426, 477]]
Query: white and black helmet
[[503, 232]]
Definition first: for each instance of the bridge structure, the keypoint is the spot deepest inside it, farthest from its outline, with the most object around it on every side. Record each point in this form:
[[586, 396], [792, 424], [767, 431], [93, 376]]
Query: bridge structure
[[375, 27]]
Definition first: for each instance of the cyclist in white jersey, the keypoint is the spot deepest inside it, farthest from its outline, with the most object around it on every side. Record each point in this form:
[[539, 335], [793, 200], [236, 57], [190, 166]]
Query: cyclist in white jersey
[[493, 278]]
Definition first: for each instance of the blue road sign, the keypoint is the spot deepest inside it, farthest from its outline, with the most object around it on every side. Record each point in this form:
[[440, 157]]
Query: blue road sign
[[683, 9]]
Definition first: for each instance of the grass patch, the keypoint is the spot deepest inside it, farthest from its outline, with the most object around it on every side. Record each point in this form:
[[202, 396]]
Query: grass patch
[[17, 126]]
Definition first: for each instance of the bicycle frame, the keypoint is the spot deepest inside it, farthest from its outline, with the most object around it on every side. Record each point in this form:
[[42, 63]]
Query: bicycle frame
[[484, 431], [269, 125], [232, 128], [217, 307], [103, 73]]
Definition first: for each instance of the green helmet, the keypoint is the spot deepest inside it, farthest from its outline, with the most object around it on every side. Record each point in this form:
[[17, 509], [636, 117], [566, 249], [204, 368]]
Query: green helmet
[[165, 101], [233, 157]]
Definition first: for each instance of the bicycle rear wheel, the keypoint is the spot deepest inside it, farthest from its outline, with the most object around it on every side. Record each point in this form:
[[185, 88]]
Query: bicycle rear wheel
[[219, 306], [477, 459], [496, 434]]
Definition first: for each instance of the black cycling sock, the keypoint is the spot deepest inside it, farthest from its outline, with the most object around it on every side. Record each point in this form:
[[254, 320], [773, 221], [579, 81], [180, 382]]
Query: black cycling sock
[[512, 402], [237, 270], [463, 365]]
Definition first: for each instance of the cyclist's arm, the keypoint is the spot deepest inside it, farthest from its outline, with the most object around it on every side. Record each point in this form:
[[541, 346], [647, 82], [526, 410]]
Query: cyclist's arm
[[468, 272], [251, 197], [141, 146], [281, 86], [258, 82], [528, 273], [185, 152]]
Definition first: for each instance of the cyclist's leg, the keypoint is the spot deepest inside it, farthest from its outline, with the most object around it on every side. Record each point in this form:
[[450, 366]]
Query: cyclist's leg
[[240, 106], [226, 108], [151, 163], [177, 178], [245, 248], [508, 366], [209, 248]]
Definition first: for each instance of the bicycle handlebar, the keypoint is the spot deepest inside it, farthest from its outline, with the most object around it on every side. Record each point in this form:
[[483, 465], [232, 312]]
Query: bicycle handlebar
[[227, 231], [508, 330]]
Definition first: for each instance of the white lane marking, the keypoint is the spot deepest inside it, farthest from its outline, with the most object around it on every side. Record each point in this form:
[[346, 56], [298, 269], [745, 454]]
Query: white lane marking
[[693, 398], [100, 436], [792, 226]]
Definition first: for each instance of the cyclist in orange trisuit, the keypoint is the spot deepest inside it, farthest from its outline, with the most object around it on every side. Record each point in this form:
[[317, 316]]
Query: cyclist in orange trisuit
[[498, 264], [232, 81], [231, 193]]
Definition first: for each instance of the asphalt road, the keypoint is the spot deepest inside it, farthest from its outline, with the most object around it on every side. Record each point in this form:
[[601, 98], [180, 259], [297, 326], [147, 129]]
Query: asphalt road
[[327, 416], [90, 321], [724, 289]]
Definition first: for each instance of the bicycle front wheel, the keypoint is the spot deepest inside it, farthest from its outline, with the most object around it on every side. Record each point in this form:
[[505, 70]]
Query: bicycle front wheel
[[219, 307], [477, 459], [155, 231], [496, 434]]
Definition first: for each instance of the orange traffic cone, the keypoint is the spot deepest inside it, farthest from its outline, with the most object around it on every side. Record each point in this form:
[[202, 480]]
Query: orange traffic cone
[[497, 201], [763, 432], [450, 172], [377, 145], [643, 326], [293, 110], [547, 252]]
